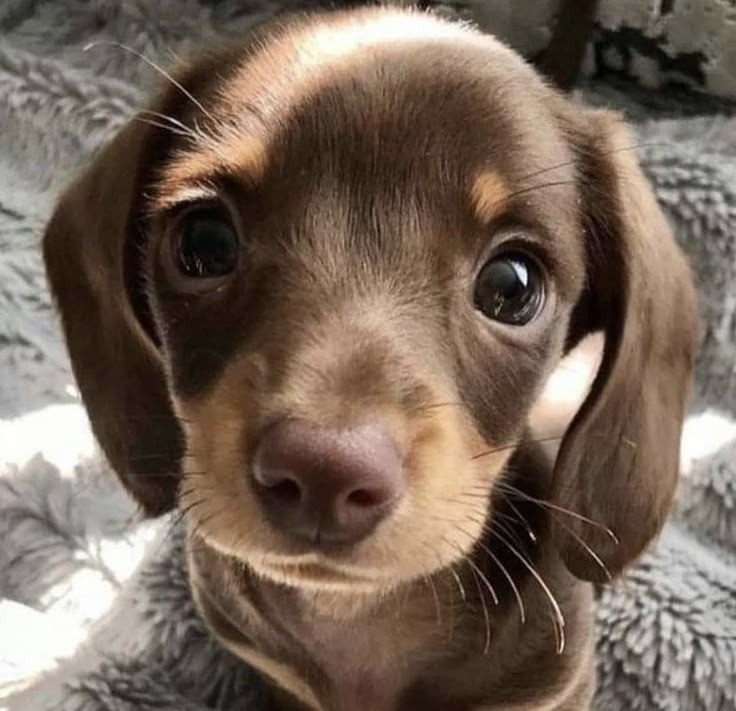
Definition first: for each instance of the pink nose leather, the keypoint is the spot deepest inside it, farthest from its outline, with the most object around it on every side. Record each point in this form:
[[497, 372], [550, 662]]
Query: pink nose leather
[[324, 485]]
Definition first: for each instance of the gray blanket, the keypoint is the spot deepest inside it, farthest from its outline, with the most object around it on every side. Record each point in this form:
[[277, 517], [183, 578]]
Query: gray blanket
[[94, 608]]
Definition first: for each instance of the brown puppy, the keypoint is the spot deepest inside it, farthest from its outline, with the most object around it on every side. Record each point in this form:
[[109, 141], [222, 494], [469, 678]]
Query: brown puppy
[[314, 305]]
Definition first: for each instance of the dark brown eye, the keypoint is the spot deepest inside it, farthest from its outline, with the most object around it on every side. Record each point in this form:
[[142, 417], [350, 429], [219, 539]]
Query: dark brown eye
[[510, 289], [206, 245]]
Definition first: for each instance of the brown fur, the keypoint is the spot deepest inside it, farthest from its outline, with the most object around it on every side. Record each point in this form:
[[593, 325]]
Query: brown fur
[[370, 160]]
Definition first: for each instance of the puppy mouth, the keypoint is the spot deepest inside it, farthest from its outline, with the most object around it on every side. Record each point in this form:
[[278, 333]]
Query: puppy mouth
[[319, 570]]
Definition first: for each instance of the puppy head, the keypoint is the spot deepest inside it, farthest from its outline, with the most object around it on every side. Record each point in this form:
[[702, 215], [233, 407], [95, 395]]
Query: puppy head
[[315, 305]]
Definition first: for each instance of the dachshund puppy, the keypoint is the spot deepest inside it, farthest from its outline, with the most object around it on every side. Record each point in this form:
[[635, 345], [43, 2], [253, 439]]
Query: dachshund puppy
[[311, 298]]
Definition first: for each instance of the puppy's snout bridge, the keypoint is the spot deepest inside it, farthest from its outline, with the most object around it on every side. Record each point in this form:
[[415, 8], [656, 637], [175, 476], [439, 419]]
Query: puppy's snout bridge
[[325, 485]]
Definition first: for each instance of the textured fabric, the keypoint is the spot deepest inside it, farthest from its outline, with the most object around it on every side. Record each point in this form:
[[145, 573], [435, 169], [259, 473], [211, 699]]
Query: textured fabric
[[657, 43], [98, 601]]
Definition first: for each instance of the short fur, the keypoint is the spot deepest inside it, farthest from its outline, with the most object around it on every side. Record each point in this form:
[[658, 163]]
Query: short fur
[[370, 160]]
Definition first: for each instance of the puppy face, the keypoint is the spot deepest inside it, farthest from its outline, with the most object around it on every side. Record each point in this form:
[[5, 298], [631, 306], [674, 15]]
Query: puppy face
[[349, 267], [363, 261]]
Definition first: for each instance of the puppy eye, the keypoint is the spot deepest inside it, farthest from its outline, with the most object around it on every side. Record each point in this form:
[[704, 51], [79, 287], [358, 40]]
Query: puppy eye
[[510, 289], [206, 245]]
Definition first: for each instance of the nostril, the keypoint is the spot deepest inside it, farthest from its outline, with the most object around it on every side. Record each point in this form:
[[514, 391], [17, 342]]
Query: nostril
[[340, 482], [364, 498], [287, 491]]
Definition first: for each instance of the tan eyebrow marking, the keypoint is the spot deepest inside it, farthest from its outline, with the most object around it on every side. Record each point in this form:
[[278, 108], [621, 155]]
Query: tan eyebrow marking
[[489, 192], [233, 154]]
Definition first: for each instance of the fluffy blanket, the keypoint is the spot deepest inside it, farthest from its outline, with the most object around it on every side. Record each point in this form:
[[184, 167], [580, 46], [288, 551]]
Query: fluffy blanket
[[94, 608]]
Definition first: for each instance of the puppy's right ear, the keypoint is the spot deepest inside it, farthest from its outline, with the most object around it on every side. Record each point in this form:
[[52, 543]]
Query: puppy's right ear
[[87, 250]]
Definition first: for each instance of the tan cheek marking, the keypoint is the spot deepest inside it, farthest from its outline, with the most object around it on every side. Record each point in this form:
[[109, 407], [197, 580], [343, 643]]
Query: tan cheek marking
[[441, 460], [446, 509], [215, 474], [489, 192]]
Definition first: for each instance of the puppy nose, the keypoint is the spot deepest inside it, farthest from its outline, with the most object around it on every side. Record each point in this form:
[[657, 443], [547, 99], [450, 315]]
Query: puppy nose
[[325, 485]]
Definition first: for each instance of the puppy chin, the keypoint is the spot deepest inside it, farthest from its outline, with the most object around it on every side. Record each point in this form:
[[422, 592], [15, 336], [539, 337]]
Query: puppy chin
[[359, 570], [323, 576]]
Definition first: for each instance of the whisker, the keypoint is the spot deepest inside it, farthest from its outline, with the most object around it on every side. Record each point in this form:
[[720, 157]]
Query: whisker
[[558, 616], [176, 521], [181, 515], [559, 509], [486, 616], [171, 474], [162, 126], [507, 575], [504, 571], [472, 563], [156, 455], [153, 65], [523, 520], [184, 510], [513, 445], [596, 558], [506, 199], [506, 527], [186, 492], [620, 149], [514, 588], [458, 581], [173, 121], [437, 606], [419, 409], [164, 416], [539, 186]]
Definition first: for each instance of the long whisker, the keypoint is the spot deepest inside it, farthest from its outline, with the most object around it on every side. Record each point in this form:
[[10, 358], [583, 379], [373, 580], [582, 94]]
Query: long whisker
[[200, 522], [173, 121], [486, 616], [514, 587], [596, 558], [506, 527], [513, 445], [523, 520], [443, 565], [156, 455], [507, 575], [539, 186], [620, 149], [162, 126], [459, 582], [419, 409], [437, 606], [169, 475], [176, 521], [153, 65], [487, 582], [504, 571], [555, 507], [558, 616]]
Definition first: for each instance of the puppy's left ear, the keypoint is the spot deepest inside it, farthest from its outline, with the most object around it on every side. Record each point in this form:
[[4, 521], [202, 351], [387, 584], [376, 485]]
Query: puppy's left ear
[[619, 460], [91, 252]]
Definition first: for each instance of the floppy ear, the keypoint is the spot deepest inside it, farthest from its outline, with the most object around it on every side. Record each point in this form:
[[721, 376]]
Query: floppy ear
[[90, 249], [619, 460]]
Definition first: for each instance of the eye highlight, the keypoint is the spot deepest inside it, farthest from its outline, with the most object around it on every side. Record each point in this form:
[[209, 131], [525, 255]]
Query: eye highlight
[[205, 245], [510, 289]]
